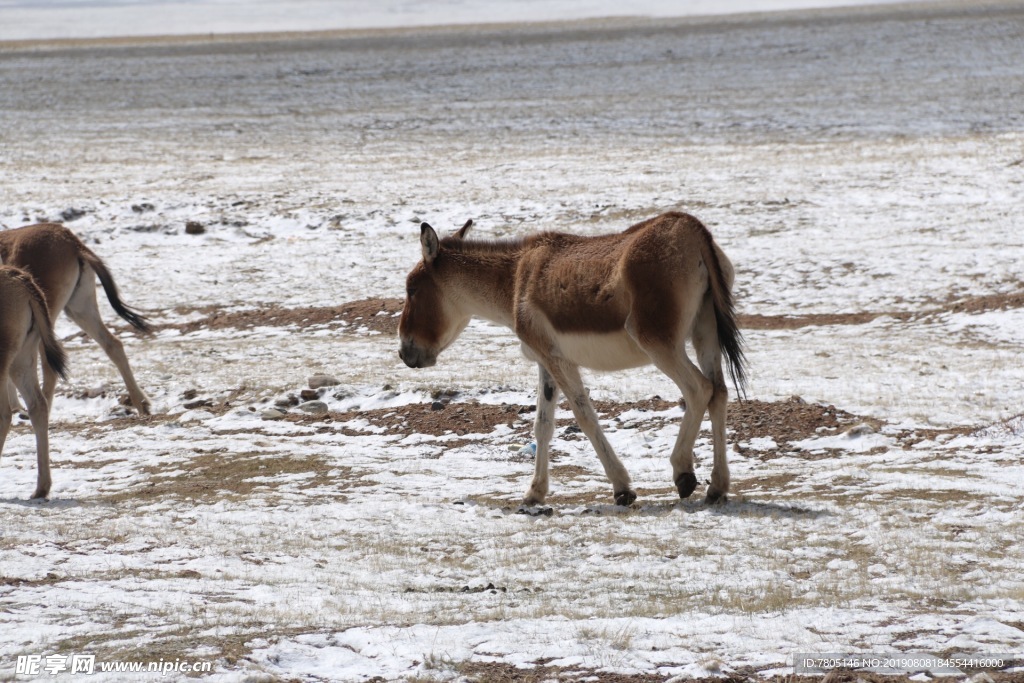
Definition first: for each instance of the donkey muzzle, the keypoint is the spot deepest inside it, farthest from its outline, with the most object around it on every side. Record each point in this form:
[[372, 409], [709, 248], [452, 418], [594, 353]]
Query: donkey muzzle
[[416, 356]]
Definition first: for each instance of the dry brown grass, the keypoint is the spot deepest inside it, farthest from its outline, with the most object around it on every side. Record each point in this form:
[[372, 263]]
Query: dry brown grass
[[212, 476]]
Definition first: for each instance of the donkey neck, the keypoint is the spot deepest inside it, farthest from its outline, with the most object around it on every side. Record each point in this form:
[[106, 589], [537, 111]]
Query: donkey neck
[[482, 277]]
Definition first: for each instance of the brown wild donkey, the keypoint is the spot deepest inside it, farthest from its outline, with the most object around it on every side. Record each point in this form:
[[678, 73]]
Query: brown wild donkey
[[608, 303], [24, 327], [66, 271]]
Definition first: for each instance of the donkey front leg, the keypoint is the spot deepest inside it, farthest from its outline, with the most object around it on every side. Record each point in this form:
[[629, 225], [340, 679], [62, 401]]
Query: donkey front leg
[[568, 378], [543, 429]]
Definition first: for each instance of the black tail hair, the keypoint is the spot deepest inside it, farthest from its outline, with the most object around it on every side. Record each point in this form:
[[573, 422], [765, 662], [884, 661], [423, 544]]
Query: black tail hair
[[134, 318], [730, 339], [56, 357], [53, 352]]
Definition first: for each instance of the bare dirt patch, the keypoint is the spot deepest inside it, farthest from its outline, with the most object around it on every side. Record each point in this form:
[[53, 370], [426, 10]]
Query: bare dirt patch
[[973, 304], [210, 476], [378, 315], [791, 420], [755, 321]]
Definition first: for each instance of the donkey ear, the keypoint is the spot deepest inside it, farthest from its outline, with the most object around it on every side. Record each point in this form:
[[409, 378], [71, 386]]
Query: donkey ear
[[464, 229], [429, 242]]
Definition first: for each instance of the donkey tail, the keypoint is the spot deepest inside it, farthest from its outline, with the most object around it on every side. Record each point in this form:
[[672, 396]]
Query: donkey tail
[[134, 318], [730, 340], [53, 352]]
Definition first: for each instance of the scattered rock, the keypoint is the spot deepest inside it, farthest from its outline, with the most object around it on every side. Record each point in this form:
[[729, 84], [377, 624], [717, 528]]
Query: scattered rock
[[443, 394], [194, 228], [201, 403], [272, 414], [144, 207], [145, 228], [287, 401], [72, 214], [541, 511], [314, 407], [862, 429], [189, 394], [309, 394], [437, 405], [319, 381]]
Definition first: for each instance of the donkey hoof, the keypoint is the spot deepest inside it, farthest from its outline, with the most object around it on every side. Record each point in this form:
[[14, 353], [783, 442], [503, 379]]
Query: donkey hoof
[[716, 497], [625, 498], [686, 483], [40, 494], [532, 499]]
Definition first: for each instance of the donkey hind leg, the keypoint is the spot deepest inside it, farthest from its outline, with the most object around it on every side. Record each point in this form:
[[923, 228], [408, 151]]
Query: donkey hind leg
[[543, 429], [11, 398], [82, 309], [709, 356], [670, 357], [5, 414], [23, 373], [697, 391], [567, 376]]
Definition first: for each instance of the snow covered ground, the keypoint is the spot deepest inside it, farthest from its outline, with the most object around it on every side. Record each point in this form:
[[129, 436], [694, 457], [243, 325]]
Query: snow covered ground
[[36, 19], [864, 169]]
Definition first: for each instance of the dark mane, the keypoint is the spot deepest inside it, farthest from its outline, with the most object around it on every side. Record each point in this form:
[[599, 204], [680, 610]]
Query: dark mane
[[485, 246]]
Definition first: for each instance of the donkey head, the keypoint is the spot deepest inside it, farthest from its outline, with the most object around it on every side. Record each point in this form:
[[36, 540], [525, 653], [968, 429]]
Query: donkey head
[[431, 320]]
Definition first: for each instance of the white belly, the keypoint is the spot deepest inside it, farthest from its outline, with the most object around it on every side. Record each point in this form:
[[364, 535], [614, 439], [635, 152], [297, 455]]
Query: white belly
[[611, 351]]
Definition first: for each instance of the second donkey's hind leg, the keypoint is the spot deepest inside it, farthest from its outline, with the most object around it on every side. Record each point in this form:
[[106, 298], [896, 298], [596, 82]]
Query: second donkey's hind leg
[[5, 411], [23, 373], [10, 397], [82, 309]]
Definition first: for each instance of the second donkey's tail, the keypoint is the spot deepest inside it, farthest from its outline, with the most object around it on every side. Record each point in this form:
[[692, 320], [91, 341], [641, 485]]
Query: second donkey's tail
[[53, 352]]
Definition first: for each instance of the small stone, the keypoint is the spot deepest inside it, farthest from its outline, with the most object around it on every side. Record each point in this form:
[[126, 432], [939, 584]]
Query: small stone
[[71, 214], [287, 401], [201, 403], [272, 414], [194, 228], [863, 429], [319, 381], [314, 407], [309, 394], [189, 394], [437, 405]]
